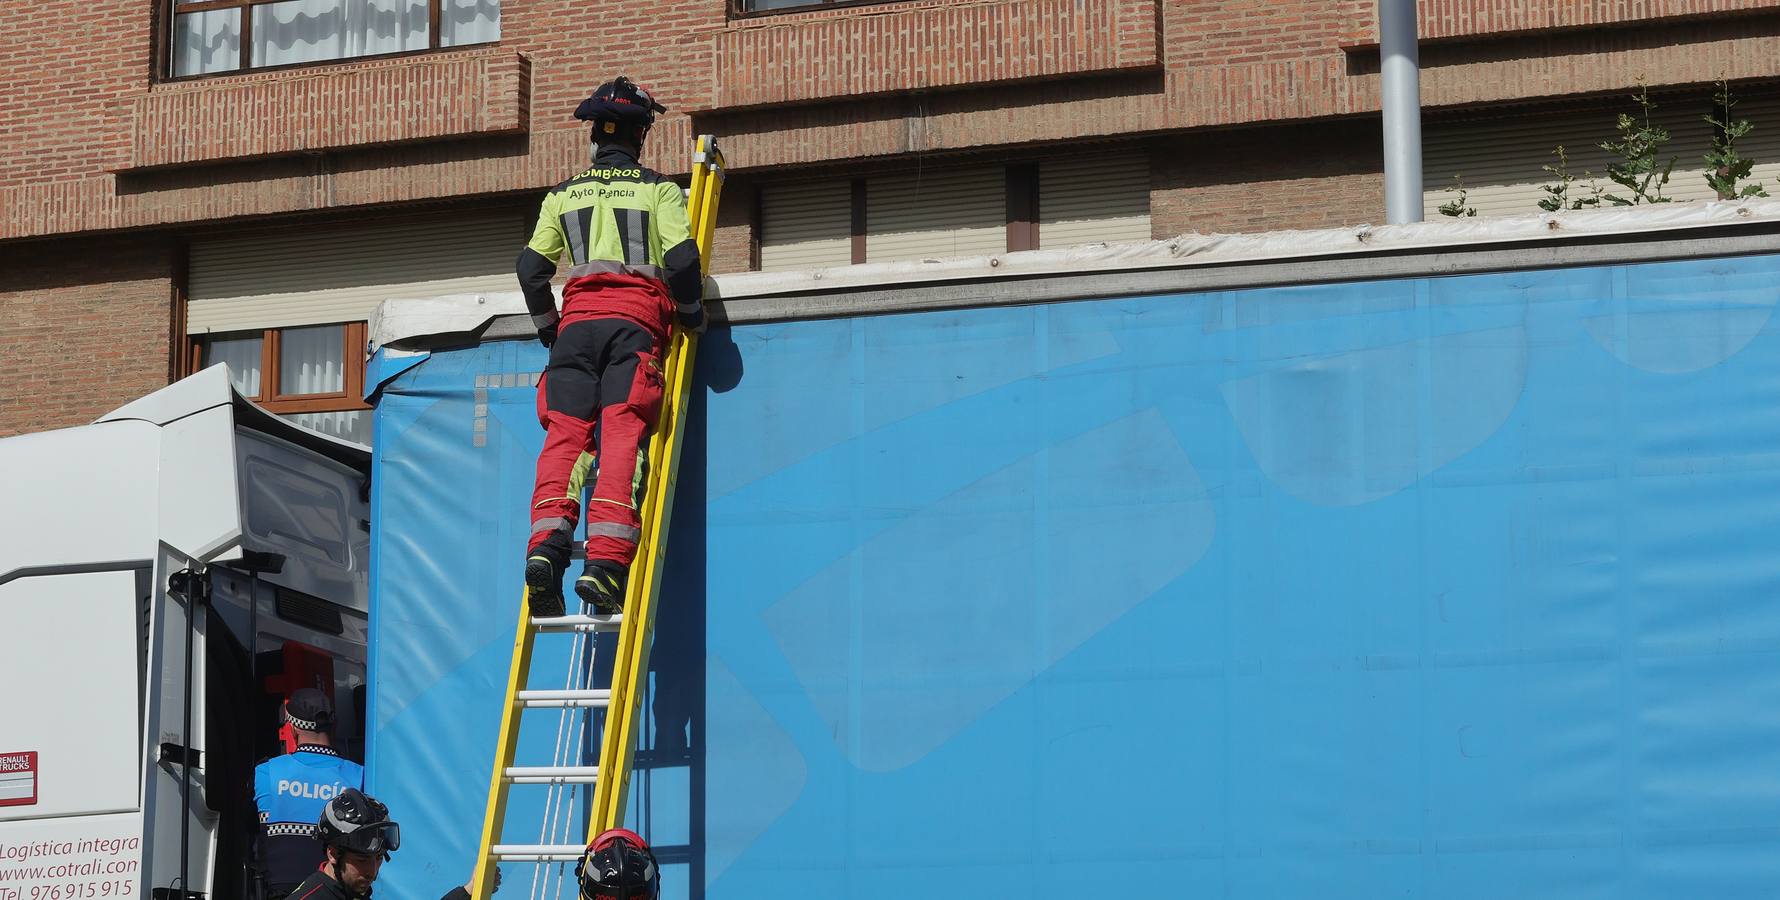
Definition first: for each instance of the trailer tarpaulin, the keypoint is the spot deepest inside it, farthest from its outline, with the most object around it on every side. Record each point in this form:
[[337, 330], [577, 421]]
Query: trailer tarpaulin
[[1440, 587]]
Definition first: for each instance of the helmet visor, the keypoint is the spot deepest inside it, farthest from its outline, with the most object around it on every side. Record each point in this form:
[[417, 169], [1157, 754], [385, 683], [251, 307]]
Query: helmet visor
[[373, 840]]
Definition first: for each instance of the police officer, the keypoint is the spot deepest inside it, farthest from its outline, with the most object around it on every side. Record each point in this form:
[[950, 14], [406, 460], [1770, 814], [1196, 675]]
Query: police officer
[[292, 790], [635, 269], [618, 865], [357, 836]]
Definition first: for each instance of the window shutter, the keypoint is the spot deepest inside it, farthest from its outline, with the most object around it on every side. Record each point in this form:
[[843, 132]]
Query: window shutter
[[806, 226], [339, 274], [936, 213], [1501, 159], [1093, 198]]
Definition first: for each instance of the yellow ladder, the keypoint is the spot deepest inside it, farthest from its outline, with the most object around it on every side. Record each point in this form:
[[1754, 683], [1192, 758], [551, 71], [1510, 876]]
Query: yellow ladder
[[630, 666]]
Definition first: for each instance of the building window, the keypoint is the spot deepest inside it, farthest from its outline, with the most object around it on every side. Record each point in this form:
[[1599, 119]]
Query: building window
[[313, 375], [935, 214], [955, 211], [806, 225], [1091, 199], [1500, 155], [213, 36], [747, 7]]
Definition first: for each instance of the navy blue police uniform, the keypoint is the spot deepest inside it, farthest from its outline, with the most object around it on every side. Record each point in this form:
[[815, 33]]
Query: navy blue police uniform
[[291, 791]]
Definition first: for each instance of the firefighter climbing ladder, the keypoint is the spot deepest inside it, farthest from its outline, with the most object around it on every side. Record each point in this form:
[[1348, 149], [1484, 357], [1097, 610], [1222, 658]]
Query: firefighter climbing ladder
[[630, 665]]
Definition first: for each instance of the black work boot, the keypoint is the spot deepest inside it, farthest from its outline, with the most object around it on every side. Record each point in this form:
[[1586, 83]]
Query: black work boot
[[543, 576], [602, 585]]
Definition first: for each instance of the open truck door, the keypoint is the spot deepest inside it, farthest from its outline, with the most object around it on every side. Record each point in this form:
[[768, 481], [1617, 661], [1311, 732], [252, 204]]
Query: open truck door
[[165, 573]]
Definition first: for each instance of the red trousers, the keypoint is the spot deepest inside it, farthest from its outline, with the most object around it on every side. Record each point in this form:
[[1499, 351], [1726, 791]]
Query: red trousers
[[598, 401]]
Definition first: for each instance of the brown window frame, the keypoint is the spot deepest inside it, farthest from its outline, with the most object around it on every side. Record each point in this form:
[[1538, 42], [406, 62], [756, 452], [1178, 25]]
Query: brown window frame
[[349, 399], [856, 210], [172, 9], [1022, 206]]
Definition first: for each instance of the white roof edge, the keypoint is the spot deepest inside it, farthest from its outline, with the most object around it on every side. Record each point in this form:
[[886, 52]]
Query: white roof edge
[[202, 390], [210, 387], [407, 318], [1194, 249]]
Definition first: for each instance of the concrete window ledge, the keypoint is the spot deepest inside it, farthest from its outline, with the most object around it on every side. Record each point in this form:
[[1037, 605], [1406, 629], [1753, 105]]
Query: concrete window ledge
[[388, 101]]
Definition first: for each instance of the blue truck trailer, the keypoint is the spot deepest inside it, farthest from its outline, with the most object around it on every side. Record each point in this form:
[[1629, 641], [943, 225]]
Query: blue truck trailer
[[1437, 563]]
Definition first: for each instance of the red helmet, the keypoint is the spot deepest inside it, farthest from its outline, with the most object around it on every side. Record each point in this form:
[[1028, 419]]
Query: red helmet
[[619, 866]]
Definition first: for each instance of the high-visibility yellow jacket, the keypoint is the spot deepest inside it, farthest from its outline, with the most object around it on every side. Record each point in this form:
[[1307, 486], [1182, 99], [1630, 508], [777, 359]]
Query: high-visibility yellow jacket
[[630, 249]]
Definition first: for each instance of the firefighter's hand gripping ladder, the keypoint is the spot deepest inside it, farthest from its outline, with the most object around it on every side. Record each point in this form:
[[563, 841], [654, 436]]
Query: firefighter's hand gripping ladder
[[630, 665]]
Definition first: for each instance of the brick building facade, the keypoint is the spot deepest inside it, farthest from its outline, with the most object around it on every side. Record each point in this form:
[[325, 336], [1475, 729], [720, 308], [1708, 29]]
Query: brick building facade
[[142, 213]]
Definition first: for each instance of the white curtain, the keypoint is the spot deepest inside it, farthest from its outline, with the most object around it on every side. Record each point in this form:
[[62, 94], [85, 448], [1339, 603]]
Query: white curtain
[[243, 358], [299, 31], [312, 360], [469, 22], [352, 426], [206, 42]]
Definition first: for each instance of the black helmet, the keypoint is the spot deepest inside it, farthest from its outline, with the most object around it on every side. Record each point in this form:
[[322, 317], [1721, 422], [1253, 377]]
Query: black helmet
[[619, 109], [355, 822], [309, 710], [618, 866]]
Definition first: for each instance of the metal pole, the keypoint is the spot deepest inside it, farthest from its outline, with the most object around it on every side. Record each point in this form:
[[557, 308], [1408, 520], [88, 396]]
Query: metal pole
[[1401, 95], [194, 591]]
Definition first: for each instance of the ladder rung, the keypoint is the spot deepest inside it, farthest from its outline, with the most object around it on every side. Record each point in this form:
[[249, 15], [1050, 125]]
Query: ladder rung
[[578, 623], [537, 852], [558, 699], [552, 774]]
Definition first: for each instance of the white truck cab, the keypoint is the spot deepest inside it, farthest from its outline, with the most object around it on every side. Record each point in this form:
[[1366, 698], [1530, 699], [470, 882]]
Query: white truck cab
[[168, 574]]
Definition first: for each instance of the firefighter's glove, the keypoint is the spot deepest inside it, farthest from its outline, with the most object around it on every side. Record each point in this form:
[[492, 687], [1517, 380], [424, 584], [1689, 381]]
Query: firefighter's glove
[[547, 336], [693, 322]]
